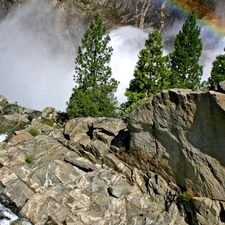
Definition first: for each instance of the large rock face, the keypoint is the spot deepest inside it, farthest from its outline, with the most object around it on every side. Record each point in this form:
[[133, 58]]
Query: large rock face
[[167, 168], [180, 135], [74, 176]]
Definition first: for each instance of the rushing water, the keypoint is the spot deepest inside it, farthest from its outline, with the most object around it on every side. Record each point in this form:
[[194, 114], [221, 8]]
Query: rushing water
[[3, 137], [6, 215]]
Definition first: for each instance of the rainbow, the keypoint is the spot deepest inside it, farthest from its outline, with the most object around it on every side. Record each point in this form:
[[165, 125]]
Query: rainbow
[[205, 13]]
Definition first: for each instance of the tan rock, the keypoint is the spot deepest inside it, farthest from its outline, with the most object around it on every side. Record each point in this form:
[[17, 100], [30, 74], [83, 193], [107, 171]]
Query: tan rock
[[3, 100], [208, 211], [20, 137], [49, 113], [14, 120]]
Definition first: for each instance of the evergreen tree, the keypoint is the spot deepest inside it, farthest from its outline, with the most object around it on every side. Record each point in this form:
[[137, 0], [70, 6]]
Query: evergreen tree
[[93, 94], [151, 74], [184, 60], [218, 70]]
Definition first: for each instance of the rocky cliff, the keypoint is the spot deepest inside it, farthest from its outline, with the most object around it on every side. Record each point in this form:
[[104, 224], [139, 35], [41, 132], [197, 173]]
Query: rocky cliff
[[140, 13], [165, 166]]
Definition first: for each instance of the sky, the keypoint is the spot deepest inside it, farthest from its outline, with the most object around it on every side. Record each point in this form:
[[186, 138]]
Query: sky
[[35, 72]]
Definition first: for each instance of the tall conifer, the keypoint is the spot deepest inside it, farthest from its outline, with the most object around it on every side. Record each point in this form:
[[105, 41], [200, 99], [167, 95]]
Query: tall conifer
[[93, 94], [151, 74], [184, 60]]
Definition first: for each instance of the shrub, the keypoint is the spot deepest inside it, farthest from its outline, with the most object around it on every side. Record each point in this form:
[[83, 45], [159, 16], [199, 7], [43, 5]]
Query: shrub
[[4, 145], [62, 117], [125, 111], [33, 131], [15, 104], [48, 121], [10, 130], [185, 196]]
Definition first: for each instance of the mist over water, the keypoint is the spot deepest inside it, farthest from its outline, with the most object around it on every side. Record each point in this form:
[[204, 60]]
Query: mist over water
[[127, 42], [36, 71], [213, 44]]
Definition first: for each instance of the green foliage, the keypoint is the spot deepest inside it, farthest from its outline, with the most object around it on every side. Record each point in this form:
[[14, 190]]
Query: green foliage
[[6, 129], [47, 121], [62, 117], [85, 1], [184, 60], [218, 70], [185, 197], [15, 104], [33, 131], [4, 145], [94, 103], [10, 129], [93, 94], [151, 74], [29, 159], [151, 199], [125, 108], [205, 84]]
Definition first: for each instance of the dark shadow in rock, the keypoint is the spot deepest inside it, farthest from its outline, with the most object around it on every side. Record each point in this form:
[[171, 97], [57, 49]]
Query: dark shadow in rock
[[222, 213], [122, 140]]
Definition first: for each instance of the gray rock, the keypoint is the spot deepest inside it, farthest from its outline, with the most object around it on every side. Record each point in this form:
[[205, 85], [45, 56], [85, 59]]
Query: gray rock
[[209, 211], [65, 193], [13, 121], [3, 100], [48, 113], [110, 125], [221, 86], [77, 130], [117, 190], [98, 148], [21, 221], [91, 174], [113, 162], [81, 164], [178, 134]]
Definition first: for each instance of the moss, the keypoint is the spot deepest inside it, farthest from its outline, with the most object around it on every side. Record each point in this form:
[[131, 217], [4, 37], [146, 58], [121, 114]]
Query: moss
[[29, 159], [33, 131]]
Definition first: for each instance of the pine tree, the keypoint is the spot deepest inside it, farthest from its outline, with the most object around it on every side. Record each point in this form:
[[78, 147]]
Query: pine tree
[[184, 60], [93, 94], [151, 74], [218, 70]]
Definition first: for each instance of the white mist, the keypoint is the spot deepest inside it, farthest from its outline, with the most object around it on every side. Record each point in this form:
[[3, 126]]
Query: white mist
[[36, 72]]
